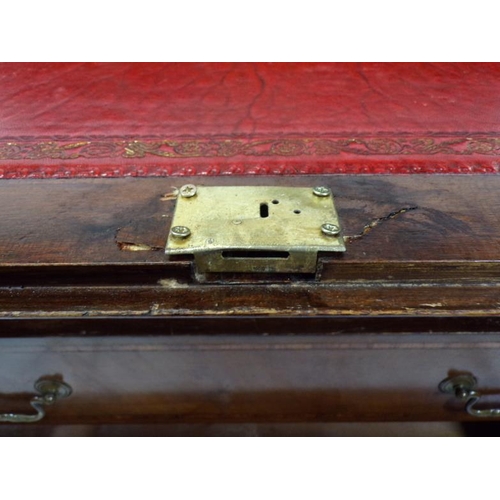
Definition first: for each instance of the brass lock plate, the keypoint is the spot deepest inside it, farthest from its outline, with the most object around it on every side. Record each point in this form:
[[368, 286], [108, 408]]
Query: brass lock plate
[[248, 229]]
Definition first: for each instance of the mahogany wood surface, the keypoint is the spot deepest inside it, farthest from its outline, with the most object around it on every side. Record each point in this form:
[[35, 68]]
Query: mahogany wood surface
[[86, 221], [88, 295], [230, 378], [75, 248]]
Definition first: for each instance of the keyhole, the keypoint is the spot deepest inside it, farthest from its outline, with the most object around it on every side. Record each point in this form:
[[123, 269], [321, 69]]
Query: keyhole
[[264, 210]]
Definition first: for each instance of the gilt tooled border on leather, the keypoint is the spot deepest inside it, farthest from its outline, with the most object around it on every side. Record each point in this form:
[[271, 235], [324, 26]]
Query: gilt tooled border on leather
[[102, 147], [164, 151]]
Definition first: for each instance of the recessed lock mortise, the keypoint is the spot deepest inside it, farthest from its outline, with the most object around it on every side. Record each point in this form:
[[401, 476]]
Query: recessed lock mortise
[[254, 229]]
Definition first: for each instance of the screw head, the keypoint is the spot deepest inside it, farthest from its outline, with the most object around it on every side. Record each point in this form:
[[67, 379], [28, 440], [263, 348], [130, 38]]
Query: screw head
[[188, 191], [53, 390], [462, 392], [180, 231], [330, 229], [49, 398], [322, 191]]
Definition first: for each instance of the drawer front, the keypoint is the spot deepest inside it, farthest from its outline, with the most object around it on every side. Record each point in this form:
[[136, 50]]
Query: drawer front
[[341, 378]]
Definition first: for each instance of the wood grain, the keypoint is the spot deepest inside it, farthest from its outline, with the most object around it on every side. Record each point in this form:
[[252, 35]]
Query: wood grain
[[88, 295], [82, 222], [155, 379], [78, 248]]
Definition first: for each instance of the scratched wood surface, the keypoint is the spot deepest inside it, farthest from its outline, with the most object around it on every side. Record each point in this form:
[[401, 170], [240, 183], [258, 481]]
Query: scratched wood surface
[[102, 221], [88, 295], [416, 247]]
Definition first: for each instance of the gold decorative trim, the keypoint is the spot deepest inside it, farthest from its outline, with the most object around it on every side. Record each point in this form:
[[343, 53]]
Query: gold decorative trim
[[20, 149]]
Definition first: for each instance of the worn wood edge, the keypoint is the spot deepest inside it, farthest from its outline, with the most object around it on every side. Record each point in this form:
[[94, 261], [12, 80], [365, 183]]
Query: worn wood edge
[[343, 298]]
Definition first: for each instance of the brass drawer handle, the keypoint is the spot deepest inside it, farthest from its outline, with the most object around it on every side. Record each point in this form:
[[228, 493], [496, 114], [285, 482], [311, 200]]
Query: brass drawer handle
[[463, 388], [50, 391]]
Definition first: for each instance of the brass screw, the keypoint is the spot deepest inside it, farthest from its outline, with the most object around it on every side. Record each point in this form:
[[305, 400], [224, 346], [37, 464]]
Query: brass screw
[[180, 231], [49, 398], [330, 229], [188, 191], [461, 392], [321, 191]]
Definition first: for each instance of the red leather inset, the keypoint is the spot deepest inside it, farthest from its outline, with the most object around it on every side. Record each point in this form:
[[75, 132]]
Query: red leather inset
[[59, 120]]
